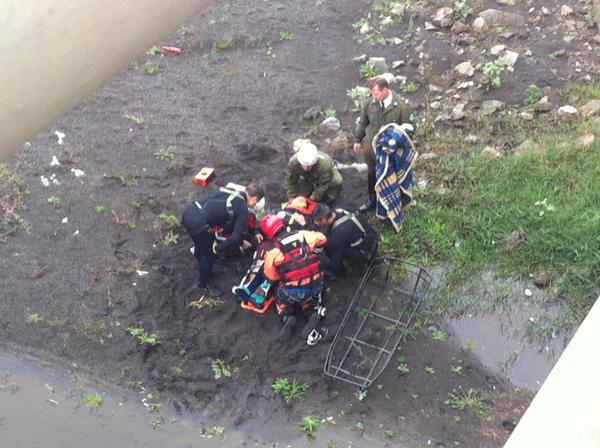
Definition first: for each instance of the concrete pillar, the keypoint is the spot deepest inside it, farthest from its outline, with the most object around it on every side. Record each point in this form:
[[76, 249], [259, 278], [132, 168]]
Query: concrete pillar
[[566, 410]]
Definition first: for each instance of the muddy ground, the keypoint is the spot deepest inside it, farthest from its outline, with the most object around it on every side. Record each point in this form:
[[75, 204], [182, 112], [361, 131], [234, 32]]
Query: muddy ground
[[96, 263]]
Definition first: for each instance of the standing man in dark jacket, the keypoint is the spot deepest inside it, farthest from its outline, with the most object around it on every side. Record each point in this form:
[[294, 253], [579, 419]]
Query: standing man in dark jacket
[[384, 106], [350, 239], [227, 209]]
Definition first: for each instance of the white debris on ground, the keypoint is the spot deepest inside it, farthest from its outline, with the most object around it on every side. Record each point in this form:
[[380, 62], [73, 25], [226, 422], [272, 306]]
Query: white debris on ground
[[142, 273], [54, 161], [60, 135], [77, 172]]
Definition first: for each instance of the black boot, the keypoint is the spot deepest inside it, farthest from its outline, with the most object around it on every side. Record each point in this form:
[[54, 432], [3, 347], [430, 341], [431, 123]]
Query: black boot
[[289, 322], [370, 205], [211, 291]]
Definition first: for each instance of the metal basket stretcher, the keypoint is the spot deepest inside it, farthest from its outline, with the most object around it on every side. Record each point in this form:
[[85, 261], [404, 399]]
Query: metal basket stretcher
[[382, 309]]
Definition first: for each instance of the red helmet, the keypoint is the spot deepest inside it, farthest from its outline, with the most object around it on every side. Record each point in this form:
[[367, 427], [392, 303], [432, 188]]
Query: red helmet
[[270, 225]]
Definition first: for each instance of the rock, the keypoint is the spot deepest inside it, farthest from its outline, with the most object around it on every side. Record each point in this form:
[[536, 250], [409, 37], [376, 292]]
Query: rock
[[526, 147], [331, 123], [465, 69], [490, 153], [339, 144], [434, 89], [566, 10], [471, 139], [443, 17], [507, 2], [429, 156], [380, 64], [361, 58], [590, 108], [528, 53], [365, 28], [543, 105], [397, 41], [397, 64], [459, 28], [480, 26], [398, 9], [514, 241], [541, 279], [490, 106], [585, 140], [597, 36], [299, 142], [465, 85], [389, 77], [545, 11], [430, 26], [497, 49], [567, 110], [527, 116], [458, 112], [510, 58], [313, 113], [494, 17]]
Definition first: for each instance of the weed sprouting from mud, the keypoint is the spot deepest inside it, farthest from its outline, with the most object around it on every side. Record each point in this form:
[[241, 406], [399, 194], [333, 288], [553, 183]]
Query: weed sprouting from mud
[[287, 36], [166, 153], [95, 400], [291, 391], [143, 336], [213, 431], [205, 302], [402, 364], [137, 119], [33, 318], [492, 72], [360, 394], [474, 399], [368, 70], [222, 370], [309, 425], [150, 68]]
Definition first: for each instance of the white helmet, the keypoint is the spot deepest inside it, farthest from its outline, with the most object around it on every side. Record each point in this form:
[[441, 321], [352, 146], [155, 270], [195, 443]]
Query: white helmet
[[308, 154]]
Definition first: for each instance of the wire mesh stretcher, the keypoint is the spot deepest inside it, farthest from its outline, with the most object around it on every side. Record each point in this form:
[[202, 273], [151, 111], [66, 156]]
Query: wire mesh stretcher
[[382, 309]]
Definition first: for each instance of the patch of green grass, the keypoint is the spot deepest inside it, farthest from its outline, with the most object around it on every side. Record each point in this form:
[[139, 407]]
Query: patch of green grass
[[150, 68], [439, 335], [54, 200], [100, 208], [222, 370], [166, 153], [212, 432], [533, 94], [291, 391], [329, 112], [95, 400], [287, 36], [153, 50], [33, 318], [368, 70], [474, 399], [170, 220], [484, 201], [584, 92], [137, 119], [411, 87], [144, 337], [309, 425], [170, 238]]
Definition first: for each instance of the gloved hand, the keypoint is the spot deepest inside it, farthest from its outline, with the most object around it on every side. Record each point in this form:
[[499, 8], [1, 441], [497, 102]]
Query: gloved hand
[[408, 128], [215, 247]]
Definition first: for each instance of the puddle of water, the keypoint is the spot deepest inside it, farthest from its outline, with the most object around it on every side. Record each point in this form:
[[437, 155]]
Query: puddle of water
[[54, 53], [513, 332], [43, 409]]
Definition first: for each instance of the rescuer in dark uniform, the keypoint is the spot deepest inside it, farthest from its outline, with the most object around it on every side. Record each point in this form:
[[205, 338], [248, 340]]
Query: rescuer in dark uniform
[[351, 239], [227, 209]]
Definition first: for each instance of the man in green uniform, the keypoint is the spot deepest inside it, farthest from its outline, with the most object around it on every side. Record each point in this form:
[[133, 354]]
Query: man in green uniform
[[311, 173], [384, 107]]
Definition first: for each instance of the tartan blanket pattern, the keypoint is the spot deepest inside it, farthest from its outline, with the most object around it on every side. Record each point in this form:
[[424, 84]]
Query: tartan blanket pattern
[[394, 158]]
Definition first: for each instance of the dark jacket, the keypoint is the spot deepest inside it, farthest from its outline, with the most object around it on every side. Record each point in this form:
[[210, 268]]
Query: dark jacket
[[372, 117], [212, 210]]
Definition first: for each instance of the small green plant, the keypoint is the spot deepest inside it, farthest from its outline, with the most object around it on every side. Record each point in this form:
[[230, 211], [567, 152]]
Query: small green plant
[[471, 399], [291, 391], [144, 337], [330, 112], [156, 422], [492, 72], [153, 50], [359, 426], [170, 238], [461, 10], [212, 431], [390, 434], [430, 370], [100, 208], [533, 94], [150, 68], [95, 400], [137, 119], [355, 93], [286, 35], [402, 364], [309, 425], [222, 370], [439, 335], [224, 43], [205, 302], [457, 368], [360, 394], [229, 74], [166, 153], [33, 318], [171, 220], [368, 70], [411, 87], [360, 23], [54, 200]]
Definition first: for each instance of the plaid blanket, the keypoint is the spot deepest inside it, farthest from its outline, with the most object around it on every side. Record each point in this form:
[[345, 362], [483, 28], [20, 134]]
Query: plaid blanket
[[394, 158]]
